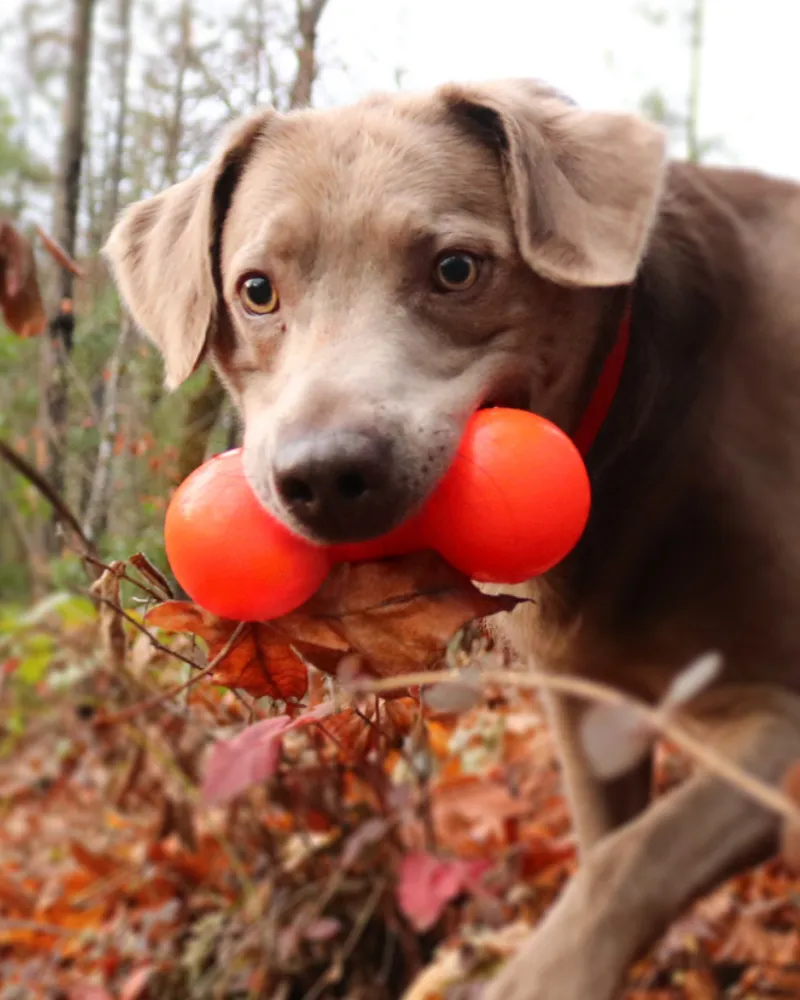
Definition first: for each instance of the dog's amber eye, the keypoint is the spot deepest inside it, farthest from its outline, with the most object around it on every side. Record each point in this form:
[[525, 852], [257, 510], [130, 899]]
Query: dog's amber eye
[[456, 271], [258, 295]]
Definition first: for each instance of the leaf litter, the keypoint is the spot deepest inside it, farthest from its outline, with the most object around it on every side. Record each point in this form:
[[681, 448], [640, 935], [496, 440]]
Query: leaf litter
[[276, 834]]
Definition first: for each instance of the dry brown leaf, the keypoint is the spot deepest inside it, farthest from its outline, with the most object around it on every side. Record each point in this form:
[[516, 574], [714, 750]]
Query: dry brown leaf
[[485, 950], [790, 837], [396, 616], [260, 663], [20, 297], [113, 641], [151, 573]]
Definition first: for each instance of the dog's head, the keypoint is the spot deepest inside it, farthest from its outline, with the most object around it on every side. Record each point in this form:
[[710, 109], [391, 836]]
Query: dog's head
[[365, 278]]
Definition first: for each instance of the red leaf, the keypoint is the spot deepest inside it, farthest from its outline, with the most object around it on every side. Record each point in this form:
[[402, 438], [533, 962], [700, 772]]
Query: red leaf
[[89, 992], [367, 833], [252, 756], [137, 981], [427, 884], [262, 662], [322, 929]]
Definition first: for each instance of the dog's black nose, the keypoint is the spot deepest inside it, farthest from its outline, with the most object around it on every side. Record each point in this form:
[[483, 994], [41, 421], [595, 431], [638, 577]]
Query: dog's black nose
[[339, 484]]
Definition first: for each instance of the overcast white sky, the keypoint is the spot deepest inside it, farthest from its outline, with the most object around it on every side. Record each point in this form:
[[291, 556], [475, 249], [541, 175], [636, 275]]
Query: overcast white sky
[[600, 51]]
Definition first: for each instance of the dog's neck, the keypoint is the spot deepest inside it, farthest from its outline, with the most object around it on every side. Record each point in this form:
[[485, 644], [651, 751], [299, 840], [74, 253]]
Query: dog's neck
[[649, 447], [605, 389]]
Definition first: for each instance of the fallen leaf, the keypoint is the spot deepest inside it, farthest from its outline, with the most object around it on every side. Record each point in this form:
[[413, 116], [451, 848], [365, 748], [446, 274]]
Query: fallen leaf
[[322, 929], [113, 642], [614, 739], [395, 615], [485, 949], [368, 833], [100, 865], [151, 573], [368, 723], [136, 983], [457, 697], [252, 756], [14, 897], [790, 834], [20, 296], [475, 809], [260, 663], [426, 884], [89, 992]]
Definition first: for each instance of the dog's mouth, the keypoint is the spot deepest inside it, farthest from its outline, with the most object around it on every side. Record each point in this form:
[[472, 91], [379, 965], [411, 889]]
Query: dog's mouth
[[511, 394]]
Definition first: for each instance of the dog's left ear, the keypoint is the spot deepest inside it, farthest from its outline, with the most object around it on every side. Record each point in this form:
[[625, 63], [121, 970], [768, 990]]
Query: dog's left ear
[[583, 186]]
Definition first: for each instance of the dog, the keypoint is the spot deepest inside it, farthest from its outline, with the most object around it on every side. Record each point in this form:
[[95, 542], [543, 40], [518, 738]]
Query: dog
[[364, 278]]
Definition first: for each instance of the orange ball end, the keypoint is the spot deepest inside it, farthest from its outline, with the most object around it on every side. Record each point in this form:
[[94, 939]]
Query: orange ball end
[[229, 554], [514, 502]]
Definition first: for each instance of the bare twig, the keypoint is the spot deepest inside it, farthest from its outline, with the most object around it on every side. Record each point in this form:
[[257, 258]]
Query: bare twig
[[126, 714], [145, 630], [712, 760], [47, 490], [101, 565]]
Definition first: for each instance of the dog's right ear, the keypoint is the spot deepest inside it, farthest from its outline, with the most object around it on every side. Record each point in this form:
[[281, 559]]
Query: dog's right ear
[[164, 253]]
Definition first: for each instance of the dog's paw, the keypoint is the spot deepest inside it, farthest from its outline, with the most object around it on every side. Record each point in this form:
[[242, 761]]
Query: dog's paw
[[570, 956]]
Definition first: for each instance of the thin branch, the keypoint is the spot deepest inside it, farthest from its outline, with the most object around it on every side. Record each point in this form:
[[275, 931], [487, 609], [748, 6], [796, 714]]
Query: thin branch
[[142, 628], [126, 714], [722, 767], [47, 490]]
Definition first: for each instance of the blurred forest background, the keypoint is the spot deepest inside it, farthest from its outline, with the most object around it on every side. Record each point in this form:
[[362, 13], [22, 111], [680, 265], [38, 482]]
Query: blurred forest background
[[103, 102]]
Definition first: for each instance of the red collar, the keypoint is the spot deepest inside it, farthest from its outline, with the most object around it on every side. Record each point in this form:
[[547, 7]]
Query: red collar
[[606, 389]]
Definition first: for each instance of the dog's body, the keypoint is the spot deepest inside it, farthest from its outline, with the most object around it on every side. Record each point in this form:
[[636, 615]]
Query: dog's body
[[369, 368]]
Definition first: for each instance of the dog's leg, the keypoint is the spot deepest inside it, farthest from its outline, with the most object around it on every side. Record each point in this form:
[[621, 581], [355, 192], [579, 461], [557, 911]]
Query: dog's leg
[[597, 807], [635, 881]]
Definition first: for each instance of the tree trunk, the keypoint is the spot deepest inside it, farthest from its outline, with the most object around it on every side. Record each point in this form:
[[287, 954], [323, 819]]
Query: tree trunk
[[174, 134], [308, 15], [95, 515], [120, 128], [201, 418], [694, 149], [206, 405], [96, 512], [66, 221]]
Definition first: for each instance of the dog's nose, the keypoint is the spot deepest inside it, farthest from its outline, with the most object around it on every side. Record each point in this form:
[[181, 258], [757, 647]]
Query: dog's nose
[[339, 484]]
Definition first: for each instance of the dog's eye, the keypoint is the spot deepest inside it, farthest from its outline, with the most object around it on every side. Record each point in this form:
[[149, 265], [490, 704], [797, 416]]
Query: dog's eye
[[258, 295], [456, 271]]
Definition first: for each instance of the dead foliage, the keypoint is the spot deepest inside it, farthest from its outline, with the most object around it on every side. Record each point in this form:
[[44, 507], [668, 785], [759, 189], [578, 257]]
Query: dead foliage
[[266, 831], [20, 295]]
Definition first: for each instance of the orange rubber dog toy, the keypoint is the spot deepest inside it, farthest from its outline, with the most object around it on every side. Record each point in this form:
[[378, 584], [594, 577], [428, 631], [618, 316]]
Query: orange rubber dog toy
[[514, 503]]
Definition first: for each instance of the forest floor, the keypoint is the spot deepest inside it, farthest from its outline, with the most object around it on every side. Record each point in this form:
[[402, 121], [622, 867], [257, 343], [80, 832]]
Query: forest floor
[[368, 854]]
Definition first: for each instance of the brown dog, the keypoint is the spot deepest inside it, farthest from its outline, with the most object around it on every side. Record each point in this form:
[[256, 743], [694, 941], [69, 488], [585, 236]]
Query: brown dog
[[364, 278]]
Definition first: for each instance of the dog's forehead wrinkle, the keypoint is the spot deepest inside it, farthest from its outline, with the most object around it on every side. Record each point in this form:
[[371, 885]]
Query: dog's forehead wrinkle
[[348, 166]]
